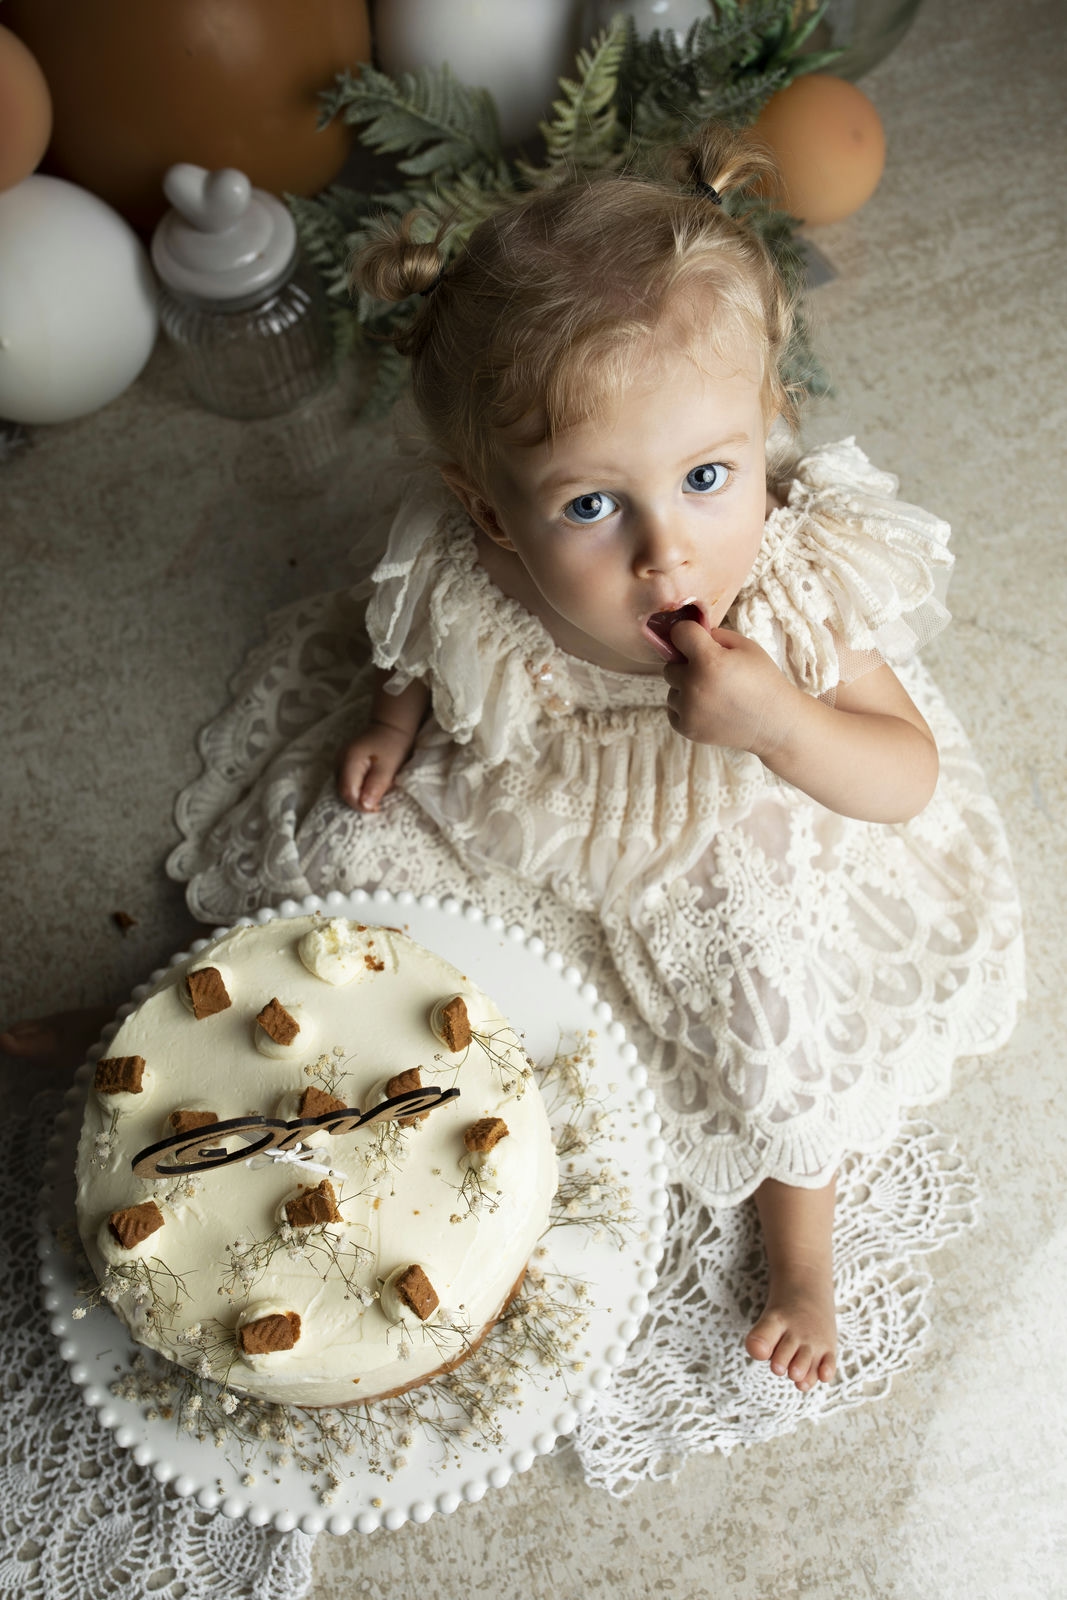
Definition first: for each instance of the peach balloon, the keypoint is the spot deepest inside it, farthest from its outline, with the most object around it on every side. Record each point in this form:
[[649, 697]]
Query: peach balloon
[[829, 143], [25, 111], [137, 87]]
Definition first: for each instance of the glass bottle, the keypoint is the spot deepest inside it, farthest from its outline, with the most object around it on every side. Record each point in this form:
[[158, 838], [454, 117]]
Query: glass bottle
[[246, 314]]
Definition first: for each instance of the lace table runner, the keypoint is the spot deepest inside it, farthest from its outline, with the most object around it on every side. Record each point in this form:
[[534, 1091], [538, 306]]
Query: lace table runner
[[81, 1518]]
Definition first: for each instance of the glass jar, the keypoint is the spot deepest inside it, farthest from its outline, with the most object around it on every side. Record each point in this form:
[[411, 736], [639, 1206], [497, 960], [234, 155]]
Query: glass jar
[[246, 315]]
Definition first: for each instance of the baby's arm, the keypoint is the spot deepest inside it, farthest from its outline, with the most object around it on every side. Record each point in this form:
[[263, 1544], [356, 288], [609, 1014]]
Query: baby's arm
[[373, 759], [870, 755]]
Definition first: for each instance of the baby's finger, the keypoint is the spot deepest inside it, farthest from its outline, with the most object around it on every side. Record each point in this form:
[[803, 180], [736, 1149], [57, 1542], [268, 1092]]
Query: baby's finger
[[691, 638], [376, 786], [350, 778]]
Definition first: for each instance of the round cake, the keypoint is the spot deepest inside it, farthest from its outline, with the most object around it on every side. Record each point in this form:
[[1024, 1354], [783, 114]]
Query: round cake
[[314, 1163]]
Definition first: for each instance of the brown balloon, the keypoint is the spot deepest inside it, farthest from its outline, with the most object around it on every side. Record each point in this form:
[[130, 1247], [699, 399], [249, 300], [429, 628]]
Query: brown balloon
[[137, 86]]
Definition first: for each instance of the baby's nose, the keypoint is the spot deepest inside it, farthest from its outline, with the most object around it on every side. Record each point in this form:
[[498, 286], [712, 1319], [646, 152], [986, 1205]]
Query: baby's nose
[[661, 549]]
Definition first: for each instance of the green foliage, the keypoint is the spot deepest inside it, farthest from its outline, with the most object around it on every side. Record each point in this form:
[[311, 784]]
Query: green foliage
[[631, 98], [727, 67], [442, 127], [584, 132]]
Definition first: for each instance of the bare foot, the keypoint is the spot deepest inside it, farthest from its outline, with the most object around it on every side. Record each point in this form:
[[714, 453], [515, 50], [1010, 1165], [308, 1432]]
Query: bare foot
[[797, 1332], [61, 1041]]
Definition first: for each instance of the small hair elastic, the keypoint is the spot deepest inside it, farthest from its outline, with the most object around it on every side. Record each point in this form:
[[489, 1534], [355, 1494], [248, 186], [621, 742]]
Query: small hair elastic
[[424, 294], [707, 191]]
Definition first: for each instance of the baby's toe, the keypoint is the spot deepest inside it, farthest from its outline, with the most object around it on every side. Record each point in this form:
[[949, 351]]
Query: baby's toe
[[785, 1353], [763, 1338], [800, 1368]]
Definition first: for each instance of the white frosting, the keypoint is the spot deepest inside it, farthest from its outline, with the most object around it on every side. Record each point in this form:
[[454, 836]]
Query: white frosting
[[124, 1100], [398, 1189], [338, 951]]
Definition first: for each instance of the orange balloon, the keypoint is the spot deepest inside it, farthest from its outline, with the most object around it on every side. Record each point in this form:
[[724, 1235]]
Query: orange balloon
[[25, 111], [829, 144], [220, 83]]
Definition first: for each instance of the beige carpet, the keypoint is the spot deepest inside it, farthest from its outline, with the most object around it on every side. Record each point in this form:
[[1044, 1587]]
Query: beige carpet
[[142, 548]]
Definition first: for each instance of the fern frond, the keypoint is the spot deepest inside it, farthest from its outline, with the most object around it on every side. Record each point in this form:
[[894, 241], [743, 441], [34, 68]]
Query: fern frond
[[440, 125], [584, 132]]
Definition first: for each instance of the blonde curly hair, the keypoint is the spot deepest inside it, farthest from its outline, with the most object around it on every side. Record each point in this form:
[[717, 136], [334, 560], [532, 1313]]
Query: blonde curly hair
[[557, 300]]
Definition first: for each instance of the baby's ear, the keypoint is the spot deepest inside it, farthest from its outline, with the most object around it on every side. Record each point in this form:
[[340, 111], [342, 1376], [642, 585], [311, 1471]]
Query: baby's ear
[[476, 505]]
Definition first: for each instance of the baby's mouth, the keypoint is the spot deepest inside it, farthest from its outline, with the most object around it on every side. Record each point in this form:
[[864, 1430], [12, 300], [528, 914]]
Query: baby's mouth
[[658, 628]]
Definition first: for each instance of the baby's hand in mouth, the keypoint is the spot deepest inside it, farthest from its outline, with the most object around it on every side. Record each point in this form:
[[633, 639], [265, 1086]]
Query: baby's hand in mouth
[[660, 624]]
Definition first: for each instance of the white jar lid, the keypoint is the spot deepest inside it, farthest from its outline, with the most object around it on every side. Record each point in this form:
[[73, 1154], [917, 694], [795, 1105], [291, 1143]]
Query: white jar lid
[[224, 240]]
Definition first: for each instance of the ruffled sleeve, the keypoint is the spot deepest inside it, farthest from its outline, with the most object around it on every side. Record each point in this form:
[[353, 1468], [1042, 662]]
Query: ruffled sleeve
[[847, 576], [433, 615]]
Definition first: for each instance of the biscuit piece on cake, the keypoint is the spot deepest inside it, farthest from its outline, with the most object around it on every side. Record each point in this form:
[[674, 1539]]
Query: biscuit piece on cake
[[485, 1134], [119, 1075], [277, 1022], [416, 1291], [135, 1223], [313, 1207], [184, 1121], [278, 1330], [453, 1024], [403, 1083], [207, 992], [316, 1102]]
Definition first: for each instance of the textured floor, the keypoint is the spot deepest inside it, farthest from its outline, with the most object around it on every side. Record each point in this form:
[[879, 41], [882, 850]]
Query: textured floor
[[142, 548]]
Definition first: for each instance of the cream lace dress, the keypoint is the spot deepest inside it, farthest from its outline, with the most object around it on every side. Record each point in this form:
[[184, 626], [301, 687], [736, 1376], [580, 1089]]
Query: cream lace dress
[[793, 978]]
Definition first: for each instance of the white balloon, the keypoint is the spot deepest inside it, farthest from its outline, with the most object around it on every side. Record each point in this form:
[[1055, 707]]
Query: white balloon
[[78, 315]]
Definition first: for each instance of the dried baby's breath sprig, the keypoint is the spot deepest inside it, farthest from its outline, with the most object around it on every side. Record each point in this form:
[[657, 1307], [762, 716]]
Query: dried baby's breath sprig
[[566, 1082], [326, 1252], [329, 1071], [513, 1078], [477, 1190], [537, 1336], [104, 1143], [385, 1152], [153, 1291], [599, 1200]]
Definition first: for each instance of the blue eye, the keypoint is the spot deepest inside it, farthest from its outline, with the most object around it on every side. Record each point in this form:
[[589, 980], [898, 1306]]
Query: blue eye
[[589, 507], [706, 478]]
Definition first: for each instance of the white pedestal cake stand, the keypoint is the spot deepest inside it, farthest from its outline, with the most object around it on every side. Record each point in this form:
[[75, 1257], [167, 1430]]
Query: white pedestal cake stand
[[547, 1002]]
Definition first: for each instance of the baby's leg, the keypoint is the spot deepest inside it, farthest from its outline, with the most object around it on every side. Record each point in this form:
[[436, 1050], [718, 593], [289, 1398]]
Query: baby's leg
[[797, 1332], [60, 1041]]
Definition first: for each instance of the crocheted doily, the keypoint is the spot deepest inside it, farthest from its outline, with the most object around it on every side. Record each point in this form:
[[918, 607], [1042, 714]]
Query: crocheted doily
[[687, 1386], [80, 1517]]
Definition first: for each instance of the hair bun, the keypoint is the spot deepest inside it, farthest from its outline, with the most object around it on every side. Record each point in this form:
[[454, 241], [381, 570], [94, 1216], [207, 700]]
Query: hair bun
[[394, 266], [725, 160]]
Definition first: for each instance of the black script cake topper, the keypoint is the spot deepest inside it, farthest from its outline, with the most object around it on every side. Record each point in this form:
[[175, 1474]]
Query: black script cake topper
[[271, 1133]]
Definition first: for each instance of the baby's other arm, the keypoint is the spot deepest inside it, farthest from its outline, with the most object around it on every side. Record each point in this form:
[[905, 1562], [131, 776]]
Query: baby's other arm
[[870, 755], [371, 762]]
